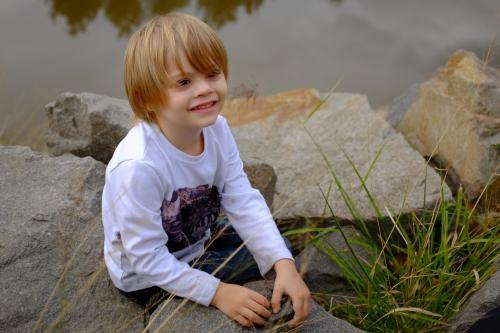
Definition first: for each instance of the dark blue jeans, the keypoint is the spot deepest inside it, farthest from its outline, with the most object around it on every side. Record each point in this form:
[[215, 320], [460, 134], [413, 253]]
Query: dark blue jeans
[[241, 268]]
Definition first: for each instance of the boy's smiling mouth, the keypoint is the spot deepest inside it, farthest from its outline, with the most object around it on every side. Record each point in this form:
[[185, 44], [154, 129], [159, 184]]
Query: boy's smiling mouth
[[204, 106]]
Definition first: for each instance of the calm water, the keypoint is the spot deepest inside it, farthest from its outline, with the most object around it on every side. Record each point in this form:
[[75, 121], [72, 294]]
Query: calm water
[[376, 47]]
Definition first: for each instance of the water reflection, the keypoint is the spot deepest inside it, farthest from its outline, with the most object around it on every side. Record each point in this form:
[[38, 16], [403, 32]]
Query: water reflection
[[220, 12], [126, 15], [78, 13]]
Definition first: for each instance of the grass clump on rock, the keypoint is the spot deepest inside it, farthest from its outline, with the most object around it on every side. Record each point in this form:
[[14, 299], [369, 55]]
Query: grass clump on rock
[[426, 265]]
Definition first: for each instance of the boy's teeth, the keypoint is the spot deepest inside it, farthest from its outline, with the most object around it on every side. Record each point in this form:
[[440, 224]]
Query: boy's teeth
[[204, 106]]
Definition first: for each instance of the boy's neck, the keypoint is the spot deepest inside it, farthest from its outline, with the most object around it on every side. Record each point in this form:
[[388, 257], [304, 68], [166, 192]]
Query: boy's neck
[[191, 143]]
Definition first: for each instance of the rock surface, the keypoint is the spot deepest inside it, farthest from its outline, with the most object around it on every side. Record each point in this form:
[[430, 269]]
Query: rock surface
[[263, 178], [183, 316], [455, 118], [322, 274], [486, 299], [344, 122], [87, 124], [52, 276], [395, 113], [279, 107]]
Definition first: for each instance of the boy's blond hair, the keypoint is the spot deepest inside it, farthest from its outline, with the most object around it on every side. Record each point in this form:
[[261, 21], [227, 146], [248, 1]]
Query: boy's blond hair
[[159, 42]]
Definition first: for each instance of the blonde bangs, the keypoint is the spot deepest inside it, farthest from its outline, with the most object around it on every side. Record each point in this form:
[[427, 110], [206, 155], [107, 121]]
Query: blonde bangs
[[203, 48]]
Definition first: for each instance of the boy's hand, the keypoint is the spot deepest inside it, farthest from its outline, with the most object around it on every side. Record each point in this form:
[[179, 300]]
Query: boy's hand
[[245, 306], [289, 282]]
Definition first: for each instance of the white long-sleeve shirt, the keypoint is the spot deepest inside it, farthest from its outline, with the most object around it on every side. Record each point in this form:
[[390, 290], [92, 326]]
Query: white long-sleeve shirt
[[160, 203]]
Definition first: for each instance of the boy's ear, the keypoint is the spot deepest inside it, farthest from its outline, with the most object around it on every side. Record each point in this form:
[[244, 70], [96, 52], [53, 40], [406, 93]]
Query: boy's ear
[[150, 114]]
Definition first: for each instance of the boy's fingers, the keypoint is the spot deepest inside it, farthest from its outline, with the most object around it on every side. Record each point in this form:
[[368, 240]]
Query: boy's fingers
[[276, 299], [296, 321], [243, 321], [260, 299], [300, 314], [259, 309], [252, 316], [307, 306]]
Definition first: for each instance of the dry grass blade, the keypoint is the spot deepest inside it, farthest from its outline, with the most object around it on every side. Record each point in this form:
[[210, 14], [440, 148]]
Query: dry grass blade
[[407, 242], [185, 300], [63, 274], [412, 309], [68, 306], [476, 276]]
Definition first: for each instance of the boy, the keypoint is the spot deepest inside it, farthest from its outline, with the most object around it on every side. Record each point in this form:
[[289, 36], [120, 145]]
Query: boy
[[172, 173]]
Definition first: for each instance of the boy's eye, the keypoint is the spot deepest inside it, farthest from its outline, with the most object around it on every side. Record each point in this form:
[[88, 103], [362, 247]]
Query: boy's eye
[[213, 74], [183, 82]]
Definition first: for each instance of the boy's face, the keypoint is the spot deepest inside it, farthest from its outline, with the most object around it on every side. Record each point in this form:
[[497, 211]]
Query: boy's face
[[195, 99]]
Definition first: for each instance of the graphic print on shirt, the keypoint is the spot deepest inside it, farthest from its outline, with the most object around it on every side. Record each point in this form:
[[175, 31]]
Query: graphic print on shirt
[[189, 214]]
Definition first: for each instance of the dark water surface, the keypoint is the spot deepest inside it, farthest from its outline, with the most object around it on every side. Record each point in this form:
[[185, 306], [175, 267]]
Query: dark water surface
[[376, 47]]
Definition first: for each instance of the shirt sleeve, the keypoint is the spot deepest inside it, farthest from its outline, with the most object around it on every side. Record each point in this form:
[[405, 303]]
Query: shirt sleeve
[[248, 212], [136, 193]]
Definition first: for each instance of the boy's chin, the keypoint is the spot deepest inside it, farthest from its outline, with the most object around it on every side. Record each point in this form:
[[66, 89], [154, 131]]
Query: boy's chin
[[208, 119]]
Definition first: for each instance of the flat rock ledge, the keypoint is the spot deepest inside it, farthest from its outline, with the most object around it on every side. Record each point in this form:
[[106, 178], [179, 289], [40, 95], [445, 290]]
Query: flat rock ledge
[[176, 315], [342, 131]]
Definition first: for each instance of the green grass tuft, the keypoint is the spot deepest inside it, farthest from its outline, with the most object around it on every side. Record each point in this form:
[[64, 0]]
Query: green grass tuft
[[427, 265]]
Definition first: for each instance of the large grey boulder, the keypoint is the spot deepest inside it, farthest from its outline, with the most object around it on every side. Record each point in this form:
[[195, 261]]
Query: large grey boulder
[[399, 180], [454, 118], [86, 124], [176, 315], [52, 275], [486, 299]]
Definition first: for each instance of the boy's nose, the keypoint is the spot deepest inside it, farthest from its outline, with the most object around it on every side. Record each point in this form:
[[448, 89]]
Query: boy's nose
[[203, 87]]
